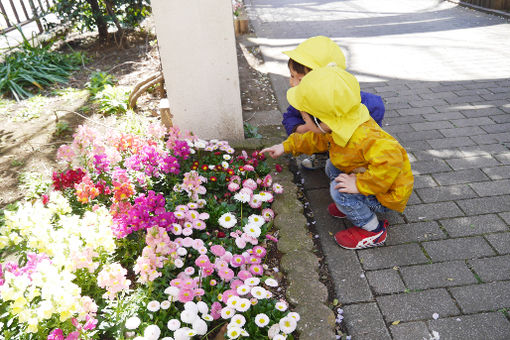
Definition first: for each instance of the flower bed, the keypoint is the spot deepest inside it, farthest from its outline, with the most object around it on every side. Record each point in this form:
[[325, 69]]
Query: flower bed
[[146, 234]]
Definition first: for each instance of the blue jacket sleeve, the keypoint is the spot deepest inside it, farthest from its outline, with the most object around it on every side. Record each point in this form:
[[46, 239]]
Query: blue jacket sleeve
[[291, 119], [375, 106]]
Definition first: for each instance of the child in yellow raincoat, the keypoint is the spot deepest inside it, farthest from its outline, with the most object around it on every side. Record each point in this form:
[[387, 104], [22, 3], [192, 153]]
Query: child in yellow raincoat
[[331, 96]]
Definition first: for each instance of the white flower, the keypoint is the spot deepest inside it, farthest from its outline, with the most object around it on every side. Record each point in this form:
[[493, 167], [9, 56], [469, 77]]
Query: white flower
[[271, 282], [227, 220], [224, 165], [264, 196], [152, 332], [153, 306], [252, 281], [167, 338], [281, 306], [243, 305], [261, 320], [234, 332], [202, 307], [199, 326], [165, 304], [243, 289], [252, 230], [258, 292], [233, 301], [242, 197], [273, 330], [227, 312], [227, 157], [188, 316], [173, 324], [279, 337], [191, 306], [294, 315], [178, 263], [133, 322], [184, 333], [257, 220], [181, 251], [171, 290], [287, 325], [207, 317], [238, 320]]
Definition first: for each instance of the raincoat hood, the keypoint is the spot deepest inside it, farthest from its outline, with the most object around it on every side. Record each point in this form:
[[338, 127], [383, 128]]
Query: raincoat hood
[[332, 95], [317, 52]]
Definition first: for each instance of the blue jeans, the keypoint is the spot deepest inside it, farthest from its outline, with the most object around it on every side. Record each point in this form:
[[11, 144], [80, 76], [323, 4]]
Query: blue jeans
[[358, 208]]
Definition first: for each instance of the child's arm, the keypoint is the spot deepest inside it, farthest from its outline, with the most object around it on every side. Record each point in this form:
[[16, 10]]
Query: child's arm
[[292, 121], [296, 144], [274, 151]]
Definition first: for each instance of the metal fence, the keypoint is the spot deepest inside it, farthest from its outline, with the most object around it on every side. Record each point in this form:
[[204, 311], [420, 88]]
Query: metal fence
[[17, 13]]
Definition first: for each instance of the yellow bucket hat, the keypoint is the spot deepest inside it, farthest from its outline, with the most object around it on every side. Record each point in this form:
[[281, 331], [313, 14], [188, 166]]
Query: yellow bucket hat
[[317, 52], [332, 95]]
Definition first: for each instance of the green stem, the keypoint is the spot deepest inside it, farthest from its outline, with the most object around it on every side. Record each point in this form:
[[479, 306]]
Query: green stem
[[212, 330]]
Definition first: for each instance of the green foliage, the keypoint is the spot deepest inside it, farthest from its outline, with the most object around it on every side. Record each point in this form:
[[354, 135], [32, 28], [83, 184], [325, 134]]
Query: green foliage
[[61, 128], [93, 14], [251, 131], [112, 99], [33, 184], [32, 68], [97, 82]]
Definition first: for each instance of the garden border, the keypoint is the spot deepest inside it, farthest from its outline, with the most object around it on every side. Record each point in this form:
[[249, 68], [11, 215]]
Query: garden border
[[300, 264]]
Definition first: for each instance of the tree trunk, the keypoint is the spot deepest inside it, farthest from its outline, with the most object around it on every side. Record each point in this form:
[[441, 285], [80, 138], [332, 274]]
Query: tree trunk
[[101, 24]]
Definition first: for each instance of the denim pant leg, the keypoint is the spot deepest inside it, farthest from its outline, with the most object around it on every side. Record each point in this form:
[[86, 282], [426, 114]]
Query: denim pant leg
[[358, 208]]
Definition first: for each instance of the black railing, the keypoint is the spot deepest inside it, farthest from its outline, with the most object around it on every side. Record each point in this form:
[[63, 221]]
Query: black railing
[[17, 13]]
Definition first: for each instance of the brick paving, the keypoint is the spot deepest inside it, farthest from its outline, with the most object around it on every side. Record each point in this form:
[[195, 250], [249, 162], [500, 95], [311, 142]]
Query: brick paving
[[444, 73]]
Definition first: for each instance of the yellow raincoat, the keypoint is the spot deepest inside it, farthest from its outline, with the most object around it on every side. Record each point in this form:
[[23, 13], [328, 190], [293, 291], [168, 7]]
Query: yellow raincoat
[[332, 95]]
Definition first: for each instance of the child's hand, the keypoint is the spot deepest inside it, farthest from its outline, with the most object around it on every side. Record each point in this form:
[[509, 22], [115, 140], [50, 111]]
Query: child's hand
[[274, 151], [346, 183]]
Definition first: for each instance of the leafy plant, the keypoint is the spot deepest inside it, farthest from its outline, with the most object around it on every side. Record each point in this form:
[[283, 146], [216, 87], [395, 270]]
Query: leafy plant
[[99, 14], [61, 128], [251, 131], [112, 99], [31, 68], [98, 80]]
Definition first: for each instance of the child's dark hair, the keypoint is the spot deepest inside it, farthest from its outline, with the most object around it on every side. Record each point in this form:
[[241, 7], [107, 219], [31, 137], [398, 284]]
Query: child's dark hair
[[297, 67]]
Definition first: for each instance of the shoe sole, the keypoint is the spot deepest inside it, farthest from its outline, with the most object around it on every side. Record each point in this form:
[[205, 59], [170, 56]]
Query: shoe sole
[[362, 247]]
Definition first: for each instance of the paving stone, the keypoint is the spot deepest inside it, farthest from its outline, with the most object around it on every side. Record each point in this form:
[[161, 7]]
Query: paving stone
[[493, 326], [472, 162], [416, 111], [414, 232], [365, 320], [435, 125], [385, 281], [414, 199], [417, 305], [473, 225], [482, 297], [300, 291], [493, 188], [388, 257], [504, 118], [432, 211], [437, 275], [500, 172], [445, 193], [394, 129], [418, 135], [483, 150], [500, 242], [410, 330], [434, 95], [423, 181], [463, 99], [429, 167], [394, 121], [484, 112], [314, 179], [430, 102], [453, 142], [485, 139], [317, 321], [431, 154], [485, 205], [506, 217], [497, 128], [462, 131], [444, 115], [457, 249], [492, 268], [503, 158], [472, 121]]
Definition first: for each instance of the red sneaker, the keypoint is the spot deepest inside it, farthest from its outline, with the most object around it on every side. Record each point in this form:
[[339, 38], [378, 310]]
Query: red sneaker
[[358, 238], [333, 211]]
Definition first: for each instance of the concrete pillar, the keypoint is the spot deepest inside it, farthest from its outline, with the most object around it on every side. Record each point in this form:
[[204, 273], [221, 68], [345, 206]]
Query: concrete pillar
[[198, 52]]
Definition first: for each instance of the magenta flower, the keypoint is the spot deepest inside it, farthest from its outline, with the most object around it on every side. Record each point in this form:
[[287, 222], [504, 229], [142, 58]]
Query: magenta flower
[[259, 251], [56, 334], [226, 274], [244, 274], [215, 310], [237, 261], [217, 250], [202, 261], [185, 295], [256, 269]]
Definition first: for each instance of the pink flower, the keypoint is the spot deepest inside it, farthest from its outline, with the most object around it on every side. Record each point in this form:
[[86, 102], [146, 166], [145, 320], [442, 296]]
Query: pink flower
[[278, 168], [217, 250], [268, 214], [236, 283], [259, 251], [250, 184], [277, 188], [233, 187], [73, 336], [185, 295], [215, 310], [244, 274], [271, 238], [267, 181], [226, 274], [237, 261], [256, 269], [240, 243], [56, 334], [202, 261], [227, 294]]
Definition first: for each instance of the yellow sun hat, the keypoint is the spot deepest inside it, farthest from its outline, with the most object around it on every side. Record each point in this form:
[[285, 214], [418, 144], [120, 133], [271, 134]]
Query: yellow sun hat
[[317, 52], [332, 95]]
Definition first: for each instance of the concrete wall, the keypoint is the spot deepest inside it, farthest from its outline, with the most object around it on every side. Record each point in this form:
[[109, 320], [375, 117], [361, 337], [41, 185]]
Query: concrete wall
[[197, 46]]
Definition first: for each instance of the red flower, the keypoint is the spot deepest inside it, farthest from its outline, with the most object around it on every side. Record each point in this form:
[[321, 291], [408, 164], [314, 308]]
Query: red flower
[[205, 167], [213, 178], [221, 234], [278, 168], [45, 199]]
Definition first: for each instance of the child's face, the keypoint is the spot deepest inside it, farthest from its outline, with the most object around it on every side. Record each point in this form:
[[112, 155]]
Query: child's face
[[295, 78], [311, 126]]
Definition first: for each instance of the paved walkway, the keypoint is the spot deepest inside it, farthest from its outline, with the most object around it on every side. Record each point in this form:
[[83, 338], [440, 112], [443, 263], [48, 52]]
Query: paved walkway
[[444, 72]]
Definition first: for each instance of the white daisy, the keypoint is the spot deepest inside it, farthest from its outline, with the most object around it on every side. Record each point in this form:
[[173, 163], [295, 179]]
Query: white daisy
[[238, 320], [152, 332], [261, 320], [287, 325], [133, 322], [294, 315], [258, 292], [153, 306], [256, 219], [207, 317], [242, 197], [271, 282], [227, 220], [243, 289], [252, 230], [279, 337], [199, 326], [165, 304], [252, 281], [227, 312], [233, 301], [202, 307], [243, 305], [173, 324], [281, 306], [188, 316], [273, 330], [234, 332]]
